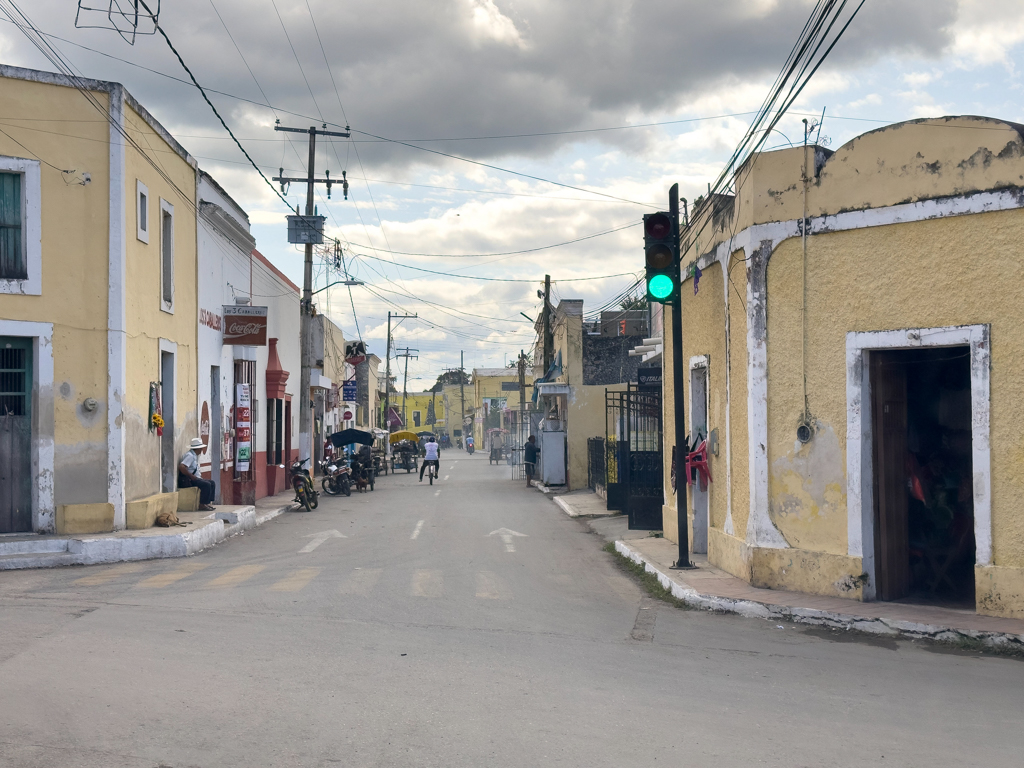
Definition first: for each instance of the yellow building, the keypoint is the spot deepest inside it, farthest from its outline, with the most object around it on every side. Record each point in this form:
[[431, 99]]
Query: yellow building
[[416, 407], [97, 305], [491, 396], [860, 377]]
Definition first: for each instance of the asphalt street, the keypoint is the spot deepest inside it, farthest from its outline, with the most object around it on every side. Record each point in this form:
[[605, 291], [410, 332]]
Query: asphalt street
[[468, 623]]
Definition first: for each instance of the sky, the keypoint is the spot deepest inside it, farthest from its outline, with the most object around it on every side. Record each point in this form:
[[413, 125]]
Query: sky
[[525, 124]]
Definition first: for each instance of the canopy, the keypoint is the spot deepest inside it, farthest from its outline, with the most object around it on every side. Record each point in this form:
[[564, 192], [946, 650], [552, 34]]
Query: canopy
[[349, 436], [397, 437], [424, 434]]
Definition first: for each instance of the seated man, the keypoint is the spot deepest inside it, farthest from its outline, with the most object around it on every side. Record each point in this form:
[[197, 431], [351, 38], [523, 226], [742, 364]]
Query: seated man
[[188, 476]]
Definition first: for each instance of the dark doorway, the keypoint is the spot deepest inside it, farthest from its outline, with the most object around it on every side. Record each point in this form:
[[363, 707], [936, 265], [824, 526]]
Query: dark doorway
[[924, 503], [168, 461], [15, 434]]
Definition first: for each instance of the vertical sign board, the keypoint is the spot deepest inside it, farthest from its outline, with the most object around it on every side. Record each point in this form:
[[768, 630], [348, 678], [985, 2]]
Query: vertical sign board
[[348, 391], [243, 428]]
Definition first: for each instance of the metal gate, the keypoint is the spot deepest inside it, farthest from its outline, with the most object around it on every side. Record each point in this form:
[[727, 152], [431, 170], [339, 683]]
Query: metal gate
[[633, 456], [15, 434]]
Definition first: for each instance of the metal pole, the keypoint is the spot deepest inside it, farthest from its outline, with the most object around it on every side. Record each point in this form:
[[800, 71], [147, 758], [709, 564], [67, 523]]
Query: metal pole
[[549, 344], [387, 381], [405, 389], [462, 395], [679, 403], [306, 329]]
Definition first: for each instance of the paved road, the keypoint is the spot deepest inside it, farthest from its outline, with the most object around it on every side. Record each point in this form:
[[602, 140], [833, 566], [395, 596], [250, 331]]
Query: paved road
[[420, 639]]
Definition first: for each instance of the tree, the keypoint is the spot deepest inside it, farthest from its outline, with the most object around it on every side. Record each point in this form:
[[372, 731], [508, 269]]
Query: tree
[[634, 301], [454, 376]]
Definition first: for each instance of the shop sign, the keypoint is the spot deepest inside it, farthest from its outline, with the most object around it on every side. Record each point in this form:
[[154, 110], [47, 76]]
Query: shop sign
[[243, 428], [348, 391], [245, 326], [649, 378]]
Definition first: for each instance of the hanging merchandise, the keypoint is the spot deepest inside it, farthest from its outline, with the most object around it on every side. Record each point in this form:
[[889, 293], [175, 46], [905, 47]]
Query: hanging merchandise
[[156, 418]]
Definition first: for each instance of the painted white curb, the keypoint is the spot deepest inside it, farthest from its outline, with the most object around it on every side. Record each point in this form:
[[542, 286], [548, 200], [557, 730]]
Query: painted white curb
[[877, 626]]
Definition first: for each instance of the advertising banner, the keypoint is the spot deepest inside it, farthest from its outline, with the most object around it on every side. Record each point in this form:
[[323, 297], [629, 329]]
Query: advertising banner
[[243, 428], [245, 326]]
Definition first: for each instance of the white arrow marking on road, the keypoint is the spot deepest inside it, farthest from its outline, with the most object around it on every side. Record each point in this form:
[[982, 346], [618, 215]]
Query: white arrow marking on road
[[320, 538], [506, 536], [447, 476], [416, 533]]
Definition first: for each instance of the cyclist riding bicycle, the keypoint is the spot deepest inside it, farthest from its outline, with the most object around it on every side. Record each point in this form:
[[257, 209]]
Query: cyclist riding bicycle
[[431, 457]]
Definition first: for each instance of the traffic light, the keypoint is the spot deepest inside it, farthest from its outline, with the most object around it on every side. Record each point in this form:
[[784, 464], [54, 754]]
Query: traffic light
[[661, 256]]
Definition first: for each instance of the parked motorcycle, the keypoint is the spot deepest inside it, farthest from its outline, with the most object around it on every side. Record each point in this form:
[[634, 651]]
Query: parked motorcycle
[[305, 493], [337, 478]]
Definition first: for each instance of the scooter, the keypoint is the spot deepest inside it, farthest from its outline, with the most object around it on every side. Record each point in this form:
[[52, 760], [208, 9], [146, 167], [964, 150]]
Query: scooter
[[337, 478], [469, 448], [305, 493]]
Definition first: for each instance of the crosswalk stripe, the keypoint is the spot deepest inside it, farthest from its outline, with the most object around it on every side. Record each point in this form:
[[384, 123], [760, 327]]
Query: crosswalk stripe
[[490, 587], [108, 575], [426, 583], [170, 577], [234, 577], [296, 580], [360, 582]]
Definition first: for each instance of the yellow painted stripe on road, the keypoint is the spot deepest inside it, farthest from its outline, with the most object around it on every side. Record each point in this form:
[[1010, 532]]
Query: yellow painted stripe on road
[[170, 577], [296, 580], [360, 582], [234, 577], [427, 583], [490, 587], [107, 575]]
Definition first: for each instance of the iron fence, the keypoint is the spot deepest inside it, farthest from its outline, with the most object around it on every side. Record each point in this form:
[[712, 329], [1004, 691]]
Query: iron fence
[[596, 465]]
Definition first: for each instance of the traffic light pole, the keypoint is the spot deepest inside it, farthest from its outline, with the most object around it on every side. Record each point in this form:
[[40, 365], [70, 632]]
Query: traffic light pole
[[679, 398]]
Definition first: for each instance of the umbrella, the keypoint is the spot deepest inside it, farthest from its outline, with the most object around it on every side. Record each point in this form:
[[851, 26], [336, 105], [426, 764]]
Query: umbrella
[[398, 437], [348, 436]]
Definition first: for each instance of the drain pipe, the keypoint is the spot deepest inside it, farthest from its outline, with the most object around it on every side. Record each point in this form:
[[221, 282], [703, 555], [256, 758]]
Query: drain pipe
[[803, 430]]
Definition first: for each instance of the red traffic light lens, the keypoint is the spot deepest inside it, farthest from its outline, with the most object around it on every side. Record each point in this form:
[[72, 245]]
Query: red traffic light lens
[[658, 257], [657, 226]]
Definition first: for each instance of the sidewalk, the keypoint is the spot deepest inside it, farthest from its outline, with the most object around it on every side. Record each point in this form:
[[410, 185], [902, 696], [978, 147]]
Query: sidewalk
[[712, 589], [202, 531]]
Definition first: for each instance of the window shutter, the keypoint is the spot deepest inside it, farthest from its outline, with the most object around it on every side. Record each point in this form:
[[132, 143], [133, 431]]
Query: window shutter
[[12, 257]]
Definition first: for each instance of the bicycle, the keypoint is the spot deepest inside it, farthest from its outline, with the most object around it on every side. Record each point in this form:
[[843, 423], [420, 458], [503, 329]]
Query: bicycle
[[432, 471]]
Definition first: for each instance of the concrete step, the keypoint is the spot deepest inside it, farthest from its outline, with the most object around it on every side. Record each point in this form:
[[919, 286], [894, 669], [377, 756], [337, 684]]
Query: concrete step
[[35, 545], [38, 560]]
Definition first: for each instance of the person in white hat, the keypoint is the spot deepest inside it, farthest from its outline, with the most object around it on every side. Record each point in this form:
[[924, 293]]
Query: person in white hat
[[188, 476]]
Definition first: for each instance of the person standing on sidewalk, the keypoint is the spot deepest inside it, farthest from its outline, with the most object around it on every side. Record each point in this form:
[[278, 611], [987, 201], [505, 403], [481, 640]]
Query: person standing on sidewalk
[[530, 459], [188, 476]]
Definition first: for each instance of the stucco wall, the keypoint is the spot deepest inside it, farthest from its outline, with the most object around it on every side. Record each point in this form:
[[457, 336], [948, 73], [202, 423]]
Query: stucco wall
[[881, 288], [63, 129], [146, 322]]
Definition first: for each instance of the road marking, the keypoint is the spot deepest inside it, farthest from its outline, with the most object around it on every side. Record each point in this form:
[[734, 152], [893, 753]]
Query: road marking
[[168, 578], [490, 587], [451, 467], [296, 580], [416, 533], [427, 583], [108, 575], [360, 581], [506, 536], [320, 538], [234, 577], [437, 493], [447, 476]]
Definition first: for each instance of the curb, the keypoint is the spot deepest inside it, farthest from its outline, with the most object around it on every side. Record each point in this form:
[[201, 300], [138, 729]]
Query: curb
[[869, 624], [114, 549]]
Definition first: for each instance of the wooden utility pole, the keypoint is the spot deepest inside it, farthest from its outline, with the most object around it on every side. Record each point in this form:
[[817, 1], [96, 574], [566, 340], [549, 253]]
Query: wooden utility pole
[[387, 372], [549, 340], [462, 394], [306, 306], [405, 383]]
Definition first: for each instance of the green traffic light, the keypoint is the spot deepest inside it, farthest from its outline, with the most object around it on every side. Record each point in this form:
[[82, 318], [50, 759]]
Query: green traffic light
[[660, 286]]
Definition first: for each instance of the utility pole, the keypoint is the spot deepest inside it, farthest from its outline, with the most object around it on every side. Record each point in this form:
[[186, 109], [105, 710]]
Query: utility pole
[[387, 372], [522, 436], [462, 393], [549, 340], [306, 306], [405, 383]]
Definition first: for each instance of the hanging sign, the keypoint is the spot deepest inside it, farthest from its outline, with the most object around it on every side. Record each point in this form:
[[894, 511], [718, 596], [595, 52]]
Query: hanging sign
[[245, 326], [243, 428], [649, 378], [348, 391]]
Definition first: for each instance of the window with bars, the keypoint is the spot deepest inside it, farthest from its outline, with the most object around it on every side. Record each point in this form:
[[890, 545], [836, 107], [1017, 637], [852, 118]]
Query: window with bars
[[275, 431], [13, 265], [14, 380]]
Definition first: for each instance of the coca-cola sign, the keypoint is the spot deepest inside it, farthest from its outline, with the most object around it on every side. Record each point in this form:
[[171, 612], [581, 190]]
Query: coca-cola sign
[[245, 326]]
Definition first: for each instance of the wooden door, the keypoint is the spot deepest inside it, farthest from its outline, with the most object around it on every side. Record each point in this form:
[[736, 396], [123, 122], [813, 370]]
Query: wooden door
[[889, 439], [15, 434]]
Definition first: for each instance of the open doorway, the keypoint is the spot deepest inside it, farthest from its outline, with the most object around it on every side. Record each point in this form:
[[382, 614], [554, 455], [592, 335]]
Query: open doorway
[[923, 489]]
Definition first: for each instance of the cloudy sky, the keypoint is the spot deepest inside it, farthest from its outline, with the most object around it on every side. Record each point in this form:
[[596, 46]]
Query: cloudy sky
[[498, 98]]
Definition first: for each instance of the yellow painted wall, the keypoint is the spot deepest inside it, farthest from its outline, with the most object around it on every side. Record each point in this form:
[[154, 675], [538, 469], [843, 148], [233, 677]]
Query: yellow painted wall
[[420, 401], [146, 322], [862, 266], [738, 430], [59, 126]]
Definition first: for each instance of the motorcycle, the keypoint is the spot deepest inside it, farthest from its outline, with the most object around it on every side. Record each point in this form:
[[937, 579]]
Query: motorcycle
[[337, 478], [305, 493], [469, 448]]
